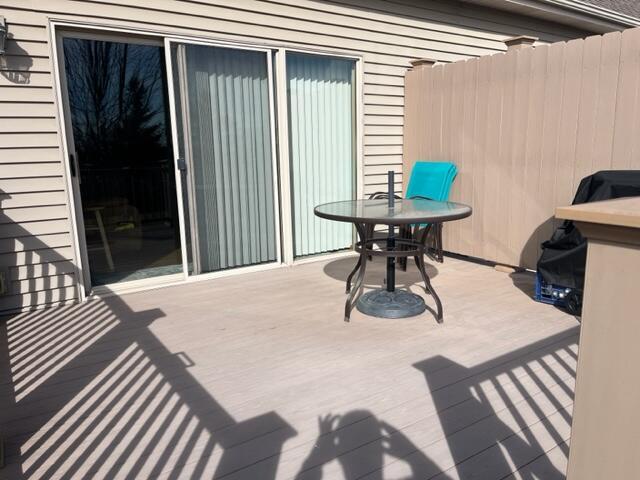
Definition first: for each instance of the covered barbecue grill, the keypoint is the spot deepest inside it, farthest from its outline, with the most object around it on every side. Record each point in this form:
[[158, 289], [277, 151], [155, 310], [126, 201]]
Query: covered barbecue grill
[[564, 256]]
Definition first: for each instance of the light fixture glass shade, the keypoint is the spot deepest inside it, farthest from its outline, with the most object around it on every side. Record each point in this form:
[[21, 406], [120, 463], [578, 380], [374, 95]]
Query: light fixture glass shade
[[3, 35]]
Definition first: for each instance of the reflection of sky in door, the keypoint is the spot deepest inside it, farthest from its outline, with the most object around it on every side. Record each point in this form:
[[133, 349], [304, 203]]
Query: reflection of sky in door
[[117, 95]]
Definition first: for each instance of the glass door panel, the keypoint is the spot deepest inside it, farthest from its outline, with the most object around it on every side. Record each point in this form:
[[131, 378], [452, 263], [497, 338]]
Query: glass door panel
[[122, 158], [321, 103], [224, 107]]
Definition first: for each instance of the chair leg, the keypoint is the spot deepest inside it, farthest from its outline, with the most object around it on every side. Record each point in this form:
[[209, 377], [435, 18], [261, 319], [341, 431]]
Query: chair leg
[[370, 230], [105, 241], [405, 233], [439, 254]]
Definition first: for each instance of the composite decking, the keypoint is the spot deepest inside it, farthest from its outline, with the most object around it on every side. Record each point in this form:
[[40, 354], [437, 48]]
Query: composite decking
[[257, 377]]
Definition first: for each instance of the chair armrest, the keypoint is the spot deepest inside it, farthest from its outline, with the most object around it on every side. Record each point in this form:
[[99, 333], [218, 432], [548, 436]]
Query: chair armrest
[[420, 197], [382, 195]]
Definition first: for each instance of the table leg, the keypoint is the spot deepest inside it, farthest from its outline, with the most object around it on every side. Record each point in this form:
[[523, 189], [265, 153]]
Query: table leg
[[428, 287], [361, 267], [353, 272], [423, 271]]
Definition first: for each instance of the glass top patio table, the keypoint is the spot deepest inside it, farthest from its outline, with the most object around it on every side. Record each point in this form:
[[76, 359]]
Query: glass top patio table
[[410, 214], [403, 212]]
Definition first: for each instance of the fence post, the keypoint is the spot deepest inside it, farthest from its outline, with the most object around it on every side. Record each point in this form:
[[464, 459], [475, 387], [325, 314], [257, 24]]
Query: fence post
[[520, 42], [422, 63], [413, 116]]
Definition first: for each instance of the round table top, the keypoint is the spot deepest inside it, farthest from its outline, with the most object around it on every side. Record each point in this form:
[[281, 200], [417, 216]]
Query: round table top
[[404, 211]]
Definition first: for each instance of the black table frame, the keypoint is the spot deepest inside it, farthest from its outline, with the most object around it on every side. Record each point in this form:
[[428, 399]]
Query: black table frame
[[396, 247], [411, 243]]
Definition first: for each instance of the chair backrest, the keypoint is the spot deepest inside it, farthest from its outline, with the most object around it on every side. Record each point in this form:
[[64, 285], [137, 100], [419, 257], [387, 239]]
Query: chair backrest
[[432, 180]]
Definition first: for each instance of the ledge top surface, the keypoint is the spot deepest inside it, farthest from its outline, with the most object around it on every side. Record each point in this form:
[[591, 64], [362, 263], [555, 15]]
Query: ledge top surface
[[622, 212]]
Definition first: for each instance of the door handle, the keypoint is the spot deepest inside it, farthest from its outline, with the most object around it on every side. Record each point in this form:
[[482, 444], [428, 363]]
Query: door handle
[[182, 165]]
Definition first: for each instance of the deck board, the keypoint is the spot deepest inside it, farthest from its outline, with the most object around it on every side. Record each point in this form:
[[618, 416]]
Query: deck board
[[257, 376]]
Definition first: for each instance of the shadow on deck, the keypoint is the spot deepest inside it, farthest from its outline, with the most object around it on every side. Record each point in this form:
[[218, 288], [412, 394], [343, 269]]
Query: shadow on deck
[[89, 391], [105, 394]]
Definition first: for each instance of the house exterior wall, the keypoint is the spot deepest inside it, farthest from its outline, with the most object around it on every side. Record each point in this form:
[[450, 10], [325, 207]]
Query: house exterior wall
[[37, 255]]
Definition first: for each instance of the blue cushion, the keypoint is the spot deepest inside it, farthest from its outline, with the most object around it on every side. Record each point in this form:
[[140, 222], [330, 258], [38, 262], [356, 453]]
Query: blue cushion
[[432, 180]]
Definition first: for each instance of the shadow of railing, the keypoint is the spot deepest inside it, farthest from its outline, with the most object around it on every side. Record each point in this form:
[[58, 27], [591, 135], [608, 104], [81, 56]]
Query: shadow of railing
[[509, 413], [91, 388], [87, 390]]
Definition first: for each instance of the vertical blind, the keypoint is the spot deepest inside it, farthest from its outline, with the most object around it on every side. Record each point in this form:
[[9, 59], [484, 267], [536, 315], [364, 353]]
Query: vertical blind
[[321, 145], [231, 174]]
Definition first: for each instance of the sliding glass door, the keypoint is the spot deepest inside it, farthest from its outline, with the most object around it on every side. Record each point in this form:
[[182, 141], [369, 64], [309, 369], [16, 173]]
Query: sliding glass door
[[321, 110], [120, 157], [173, 157], [224, 110]]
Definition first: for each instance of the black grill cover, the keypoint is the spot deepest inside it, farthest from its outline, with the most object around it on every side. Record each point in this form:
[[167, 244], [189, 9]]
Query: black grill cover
[[564, 256]]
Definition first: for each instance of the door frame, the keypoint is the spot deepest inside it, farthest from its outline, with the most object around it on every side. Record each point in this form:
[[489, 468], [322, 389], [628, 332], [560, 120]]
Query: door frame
[[283, 140], [177, 41], [279, 137], [67, 141]]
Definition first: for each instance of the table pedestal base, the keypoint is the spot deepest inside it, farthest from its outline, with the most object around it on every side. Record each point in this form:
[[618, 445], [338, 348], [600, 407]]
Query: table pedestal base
[[396, 304]]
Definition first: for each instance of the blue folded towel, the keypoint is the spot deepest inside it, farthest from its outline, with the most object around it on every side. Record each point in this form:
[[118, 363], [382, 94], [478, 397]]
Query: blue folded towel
[[432, 180]]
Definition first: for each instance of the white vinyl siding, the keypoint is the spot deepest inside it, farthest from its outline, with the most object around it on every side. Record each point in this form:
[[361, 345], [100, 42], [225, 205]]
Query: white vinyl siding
[[387, 34]]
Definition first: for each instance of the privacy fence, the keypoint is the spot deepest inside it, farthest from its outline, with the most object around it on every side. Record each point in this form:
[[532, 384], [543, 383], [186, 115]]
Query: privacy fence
[[524, 127]]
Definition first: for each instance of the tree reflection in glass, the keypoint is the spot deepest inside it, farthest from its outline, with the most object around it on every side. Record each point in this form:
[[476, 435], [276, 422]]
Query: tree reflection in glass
[[118, 105]]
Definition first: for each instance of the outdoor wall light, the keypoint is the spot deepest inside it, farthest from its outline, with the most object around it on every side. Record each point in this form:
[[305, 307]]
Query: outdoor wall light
[[3, 35]]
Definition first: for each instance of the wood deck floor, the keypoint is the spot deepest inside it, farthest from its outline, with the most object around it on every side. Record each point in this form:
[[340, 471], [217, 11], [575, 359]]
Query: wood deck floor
[[257, 377]]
